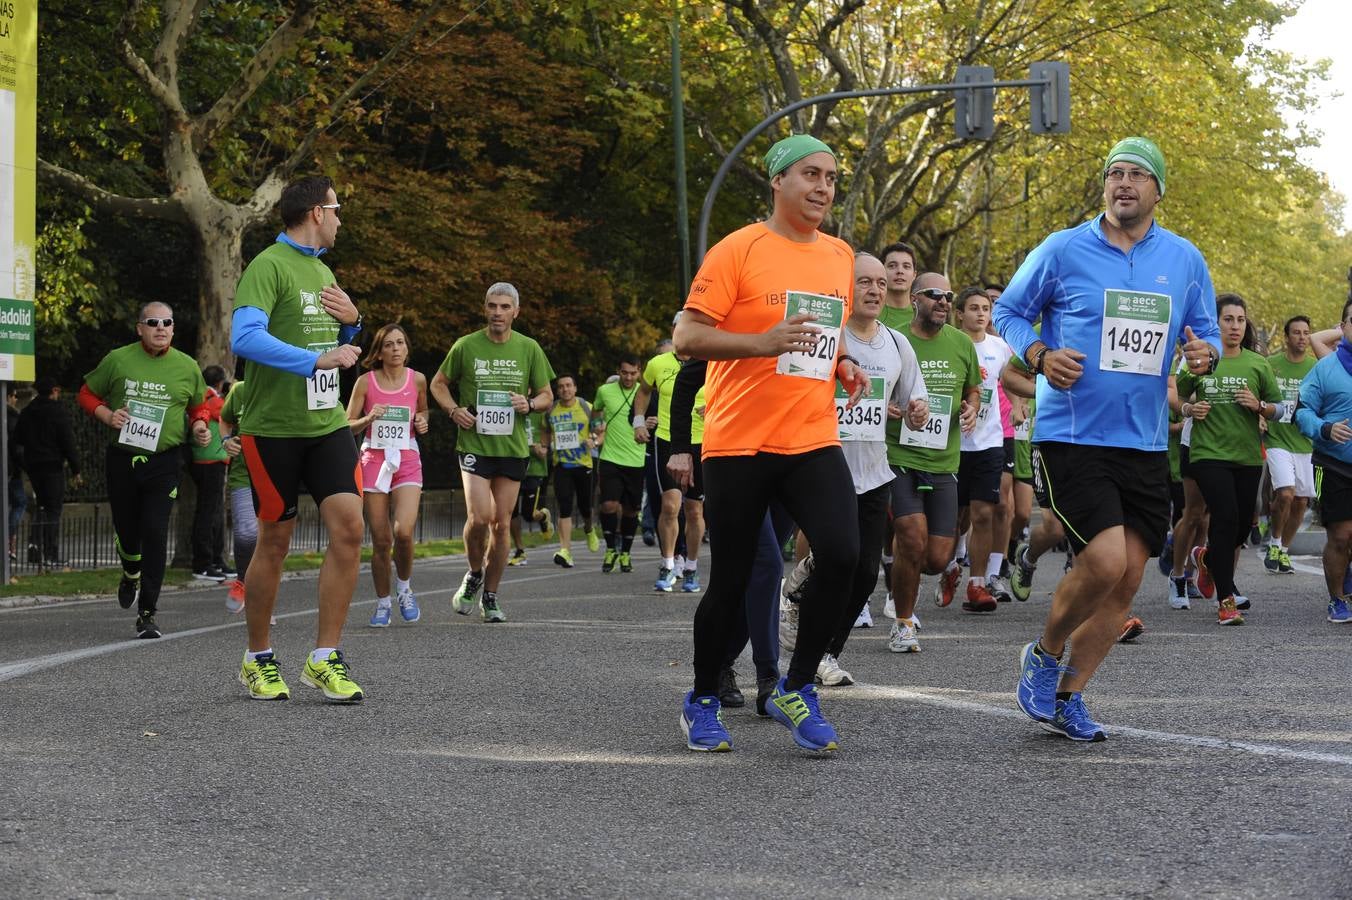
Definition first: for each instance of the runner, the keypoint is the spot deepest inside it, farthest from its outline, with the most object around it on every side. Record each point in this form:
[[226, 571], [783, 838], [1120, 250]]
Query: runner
[[899, 261], [621, 464], [766, 310], [1226, 454], [531, 504], [1289, 466], [1102, 428], [982, 460], [1192, 525], [925, 461], [568, 434], [657, 379], [243, 519], [142, 391], [1323, 416], [292, 325], [896, 391], [389, 404], [489, 382]]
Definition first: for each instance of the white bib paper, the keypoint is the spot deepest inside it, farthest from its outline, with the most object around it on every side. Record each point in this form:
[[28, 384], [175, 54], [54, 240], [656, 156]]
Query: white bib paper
[[495, 413], [820, 361], [1135, 325], [321, 388], [933, 434], [865, 420], [143, 429], [393, 430], [567, 440]]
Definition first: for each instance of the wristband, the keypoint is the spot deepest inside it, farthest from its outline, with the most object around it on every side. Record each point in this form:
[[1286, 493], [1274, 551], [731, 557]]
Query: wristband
[[1186, 410], [1037, 359], [846, 356], [1326, 431], [639, 421]]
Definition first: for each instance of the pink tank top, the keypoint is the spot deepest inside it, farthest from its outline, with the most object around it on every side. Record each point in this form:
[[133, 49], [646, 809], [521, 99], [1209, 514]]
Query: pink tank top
[[406, 396], [1006, 410]]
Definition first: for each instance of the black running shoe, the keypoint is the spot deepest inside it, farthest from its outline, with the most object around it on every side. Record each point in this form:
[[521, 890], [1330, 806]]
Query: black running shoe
[[765, 686], [728, 693], [146, 627], [127, 589]]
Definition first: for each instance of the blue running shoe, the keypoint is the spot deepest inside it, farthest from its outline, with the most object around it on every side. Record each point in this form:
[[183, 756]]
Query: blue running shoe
[[1339, 613], [1166, 560], [800, 712], [381, 617], [1193, 592], [408, 606], [690, 584], [702, 722], [1072, 721], [1347, 581], [1038, 678], [666, 580]]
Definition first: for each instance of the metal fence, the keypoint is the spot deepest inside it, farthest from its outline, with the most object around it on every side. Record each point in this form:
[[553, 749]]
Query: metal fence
[[86, 540]]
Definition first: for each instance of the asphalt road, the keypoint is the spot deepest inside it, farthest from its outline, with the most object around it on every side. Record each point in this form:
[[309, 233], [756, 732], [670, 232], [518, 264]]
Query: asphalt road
[[542, 757]]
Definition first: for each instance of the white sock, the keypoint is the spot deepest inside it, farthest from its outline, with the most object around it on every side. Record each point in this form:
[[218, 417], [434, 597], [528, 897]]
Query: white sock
[[400, 585], [993, 567], [382, 603], [668, 562], [251, 656], [977, 580], [692, 565], [961, 550], [321, 654], [887, 559]]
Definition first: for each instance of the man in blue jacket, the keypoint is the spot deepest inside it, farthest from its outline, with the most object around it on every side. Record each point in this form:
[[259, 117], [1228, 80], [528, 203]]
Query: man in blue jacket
[[1323, 415], [1115, 296]]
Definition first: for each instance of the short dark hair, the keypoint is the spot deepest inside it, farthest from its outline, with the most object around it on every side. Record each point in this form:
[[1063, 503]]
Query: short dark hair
[[1286, 329], [1250, 340], [562, 375], [899, 247], [995, 286], [1346, 306], [213, 375], [299, 197], [44, 385], [630, 359], [967, 293]]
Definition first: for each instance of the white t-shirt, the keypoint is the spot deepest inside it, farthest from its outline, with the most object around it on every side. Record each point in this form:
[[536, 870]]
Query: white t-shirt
[[888, 356], [992, 354]]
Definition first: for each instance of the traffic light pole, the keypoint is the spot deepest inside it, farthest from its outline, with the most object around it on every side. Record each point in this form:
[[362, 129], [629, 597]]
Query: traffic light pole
[[1051, 111]]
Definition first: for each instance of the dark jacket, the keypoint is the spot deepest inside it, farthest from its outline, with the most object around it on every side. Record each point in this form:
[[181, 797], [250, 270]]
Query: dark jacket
[[15, 453], [46, 437]]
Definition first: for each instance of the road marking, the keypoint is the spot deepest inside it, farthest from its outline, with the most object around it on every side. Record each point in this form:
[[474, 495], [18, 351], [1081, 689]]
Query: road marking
[[939, 697]]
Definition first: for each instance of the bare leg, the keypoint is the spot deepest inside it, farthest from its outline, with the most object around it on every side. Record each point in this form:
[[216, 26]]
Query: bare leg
[[478, 515], [263, 578], [406, 501], [382, 541], [502, 500], [1337, 552], [694, 528], [341, 514]]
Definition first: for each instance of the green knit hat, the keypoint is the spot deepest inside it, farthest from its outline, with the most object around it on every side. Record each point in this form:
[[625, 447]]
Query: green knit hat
[[1140, 151], [791, 149]]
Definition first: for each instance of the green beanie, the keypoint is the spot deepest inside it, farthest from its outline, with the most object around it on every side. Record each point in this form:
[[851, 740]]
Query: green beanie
[[1140, 151], [793, 148]]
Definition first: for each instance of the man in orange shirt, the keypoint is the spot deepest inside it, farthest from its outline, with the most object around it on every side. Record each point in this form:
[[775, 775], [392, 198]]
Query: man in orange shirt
[[766, 309]]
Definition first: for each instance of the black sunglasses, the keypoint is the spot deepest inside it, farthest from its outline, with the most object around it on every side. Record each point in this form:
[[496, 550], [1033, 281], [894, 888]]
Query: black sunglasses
[[935, 294], [156, 323]]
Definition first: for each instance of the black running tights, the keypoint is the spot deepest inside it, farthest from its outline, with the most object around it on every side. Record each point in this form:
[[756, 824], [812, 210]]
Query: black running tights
[[1230, 492]]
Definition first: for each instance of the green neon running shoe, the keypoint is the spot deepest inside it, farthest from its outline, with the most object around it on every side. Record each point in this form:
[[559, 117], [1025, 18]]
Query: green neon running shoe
[[331, 677], [263, 678]]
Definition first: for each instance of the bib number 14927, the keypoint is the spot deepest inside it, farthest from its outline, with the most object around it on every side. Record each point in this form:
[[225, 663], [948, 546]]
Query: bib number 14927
[[820, 361], [1135, 325]]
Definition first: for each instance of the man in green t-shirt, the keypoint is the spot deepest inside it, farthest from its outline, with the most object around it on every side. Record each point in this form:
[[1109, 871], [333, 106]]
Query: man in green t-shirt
[[925, 460], [488, 383], [1289, 453], [620, 469], [146, 392], [293, 326]]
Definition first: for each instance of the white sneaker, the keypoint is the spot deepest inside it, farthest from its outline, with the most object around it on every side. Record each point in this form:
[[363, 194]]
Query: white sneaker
[[915, 620], [999, 588], [1175, 601], [831, 674], [889, 607], [794, 581], [865, 619], [788, 626], [902, 637]]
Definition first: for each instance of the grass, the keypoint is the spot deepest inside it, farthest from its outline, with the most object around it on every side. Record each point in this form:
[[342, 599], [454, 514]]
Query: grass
[[104, 581]]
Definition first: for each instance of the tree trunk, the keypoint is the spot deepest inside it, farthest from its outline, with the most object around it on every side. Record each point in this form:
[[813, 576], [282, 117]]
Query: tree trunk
[[221, 262]]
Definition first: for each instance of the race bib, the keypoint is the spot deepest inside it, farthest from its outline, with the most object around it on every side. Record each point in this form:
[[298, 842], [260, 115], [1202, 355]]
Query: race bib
[[321, 388], [1135, 324], [865, 420], [143, 428], [984, 412], [1291, 392], [495, 413], [393, 430], [1024, 430], [933, 435], [819, 362], [568, 440]]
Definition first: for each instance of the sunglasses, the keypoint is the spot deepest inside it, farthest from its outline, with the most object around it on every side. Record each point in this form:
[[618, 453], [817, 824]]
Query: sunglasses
[[156, 323], [935, 294]]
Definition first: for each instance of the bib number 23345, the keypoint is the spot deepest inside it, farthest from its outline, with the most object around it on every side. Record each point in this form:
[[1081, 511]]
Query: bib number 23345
[[820, 361]]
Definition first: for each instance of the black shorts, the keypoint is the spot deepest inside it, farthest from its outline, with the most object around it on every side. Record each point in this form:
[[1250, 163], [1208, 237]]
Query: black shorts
[[1009, 455], [493, 466], [696, 489], [530, 496], [1092, 489], [979, 474], [934, 496], [621, 483], [1335, 495], [573, 483], [327, 465], [1184, 462]]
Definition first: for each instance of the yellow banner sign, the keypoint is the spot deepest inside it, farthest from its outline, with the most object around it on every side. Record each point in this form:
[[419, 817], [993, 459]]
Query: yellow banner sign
[[18, 185]]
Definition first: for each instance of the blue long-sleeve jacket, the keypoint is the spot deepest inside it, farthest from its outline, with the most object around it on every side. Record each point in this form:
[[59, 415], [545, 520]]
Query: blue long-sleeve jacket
[[1325, 399]]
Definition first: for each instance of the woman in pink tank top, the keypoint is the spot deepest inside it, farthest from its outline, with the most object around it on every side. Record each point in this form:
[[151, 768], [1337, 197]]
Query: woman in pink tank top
[[389, 408]]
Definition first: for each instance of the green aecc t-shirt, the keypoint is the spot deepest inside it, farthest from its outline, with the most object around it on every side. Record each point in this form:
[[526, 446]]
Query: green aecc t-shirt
[[483, 374], [156, 390]]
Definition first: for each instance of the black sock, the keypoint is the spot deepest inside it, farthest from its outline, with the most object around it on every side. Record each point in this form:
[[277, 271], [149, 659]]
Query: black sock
[[610, 527], [628, 528], [792, 684], [1063, 695]]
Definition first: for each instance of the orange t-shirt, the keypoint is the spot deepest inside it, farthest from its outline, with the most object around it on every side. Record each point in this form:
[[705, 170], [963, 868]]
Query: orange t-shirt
[[742, 286]]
